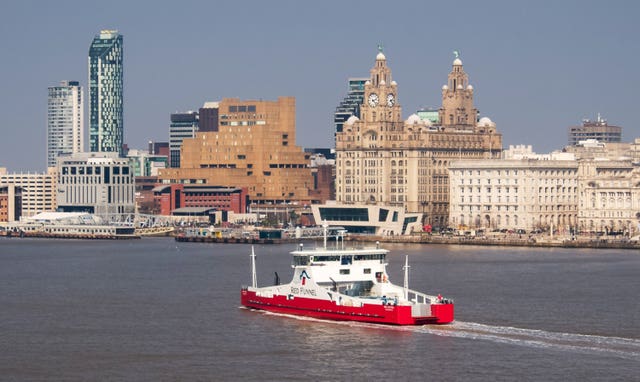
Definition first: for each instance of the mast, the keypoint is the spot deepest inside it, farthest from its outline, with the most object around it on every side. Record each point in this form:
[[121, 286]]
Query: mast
[[406, 277], [324, 231], [254, 279]]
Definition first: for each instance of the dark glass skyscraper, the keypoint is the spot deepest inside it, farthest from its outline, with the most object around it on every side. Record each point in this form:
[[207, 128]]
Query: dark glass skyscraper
[[183, 125], [350, 105], [106, 130]]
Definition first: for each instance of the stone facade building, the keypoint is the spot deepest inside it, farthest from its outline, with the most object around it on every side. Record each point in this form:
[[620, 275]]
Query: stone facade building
[[97, 183], [609, 196], [526, 193], [382, 159], [561, 190]]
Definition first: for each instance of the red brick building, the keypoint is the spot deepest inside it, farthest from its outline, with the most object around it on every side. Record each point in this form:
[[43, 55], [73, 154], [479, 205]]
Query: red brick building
[[10, 203], [172, 196]]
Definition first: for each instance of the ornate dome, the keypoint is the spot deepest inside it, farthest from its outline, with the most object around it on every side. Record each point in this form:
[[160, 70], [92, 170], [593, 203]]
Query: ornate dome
[[413, 120], [486, 122], [469, 87], [457, 61], [445, 87], [380, 56], [353, 119], [394, 83], [367, 82]]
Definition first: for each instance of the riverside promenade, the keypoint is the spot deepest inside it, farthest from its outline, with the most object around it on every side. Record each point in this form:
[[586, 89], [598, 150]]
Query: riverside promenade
[[505, 240]]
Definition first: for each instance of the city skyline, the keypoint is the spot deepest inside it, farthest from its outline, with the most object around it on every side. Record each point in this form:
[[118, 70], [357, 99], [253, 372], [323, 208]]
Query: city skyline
[[536, 70]]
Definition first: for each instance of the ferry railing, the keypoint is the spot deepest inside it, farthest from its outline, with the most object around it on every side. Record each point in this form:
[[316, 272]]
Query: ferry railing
[[420, 298]]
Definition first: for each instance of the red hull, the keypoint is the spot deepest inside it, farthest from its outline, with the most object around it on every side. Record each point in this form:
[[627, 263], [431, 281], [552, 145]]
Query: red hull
[[381, 314]]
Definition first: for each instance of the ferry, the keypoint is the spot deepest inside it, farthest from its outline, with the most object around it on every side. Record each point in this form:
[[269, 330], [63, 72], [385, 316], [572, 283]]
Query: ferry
[[346, 285]]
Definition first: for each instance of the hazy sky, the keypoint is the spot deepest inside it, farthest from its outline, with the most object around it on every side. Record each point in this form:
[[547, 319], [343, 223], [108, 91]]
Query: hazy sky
[[537, 67]]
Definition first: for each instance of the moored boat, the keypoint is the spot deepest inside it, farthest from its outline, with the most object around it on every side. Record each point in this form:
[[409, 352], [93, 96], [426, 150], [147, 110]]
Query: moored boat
[[347, 285]]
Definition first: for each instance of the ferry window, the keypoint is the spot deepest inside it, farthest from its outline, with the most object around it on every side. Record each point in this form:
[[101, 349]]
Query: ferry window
[[326, 258], [367, 271], [345, 271], [346, 260], [300, 260]]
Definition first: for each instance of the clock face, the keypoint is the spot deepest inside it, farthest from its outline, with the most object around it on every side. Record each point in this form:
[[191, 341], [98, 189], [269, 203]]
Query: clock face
[[391, 100], [373, 100]]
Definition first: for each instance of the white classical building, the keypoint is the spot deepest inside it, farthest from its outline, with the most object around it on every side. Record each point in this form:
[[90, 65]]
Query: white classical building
[[98, 183], [525, 194], [556, 190], [38, 190], [609, 196]]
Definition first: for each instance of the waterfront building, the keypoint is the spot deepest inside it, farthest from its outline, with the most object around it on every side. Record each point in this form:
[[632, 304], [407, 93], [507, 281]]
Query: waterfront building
[[350, 104], [65, 121], [560, 190], [171, 197], [598, 130], [10, 203], [106, 124], [368, 219], [254, 148], [183, 125], [145, 200], [527, 193], [145, 164], [609, 195], [383, 160], [38, 190], [96, 183]]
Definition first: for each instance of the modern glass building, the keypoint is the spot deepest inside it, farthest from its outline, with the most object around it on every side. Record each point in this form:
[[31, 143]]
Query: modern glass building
[[183, 125], [350, 105], [105, 93], [65, 121]]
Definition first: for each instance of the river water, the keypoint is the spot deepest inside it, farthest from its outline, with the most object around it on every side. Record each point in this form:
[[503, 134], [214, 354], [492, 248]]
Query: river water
[[158, 310]]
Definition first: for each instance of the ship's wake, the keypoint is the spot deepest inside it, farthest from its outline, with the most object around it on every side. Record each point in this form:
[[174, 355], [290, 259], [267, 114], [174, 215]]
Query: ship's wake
[[627, 348]]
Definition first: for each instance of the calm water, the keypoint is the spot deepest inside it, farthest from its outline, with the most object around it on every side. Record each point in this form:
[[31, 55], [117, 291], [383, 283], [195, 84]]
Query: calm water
[[154, 309]]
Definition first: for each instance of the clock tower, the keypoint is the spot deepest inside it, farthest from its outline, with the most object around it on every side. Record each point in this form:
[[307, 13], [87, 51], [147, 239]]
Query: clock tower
[[380, 96]]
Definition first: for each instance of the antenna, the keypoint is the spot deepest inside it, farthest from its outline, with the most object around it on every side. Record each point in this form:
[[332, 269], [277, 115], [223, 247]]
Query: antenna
[[406, 277]]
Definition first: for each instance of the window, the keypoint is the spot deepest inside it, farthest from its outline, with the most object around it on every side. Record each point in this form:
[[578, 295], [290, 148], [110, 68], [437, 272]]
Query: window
[[345, 271]]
